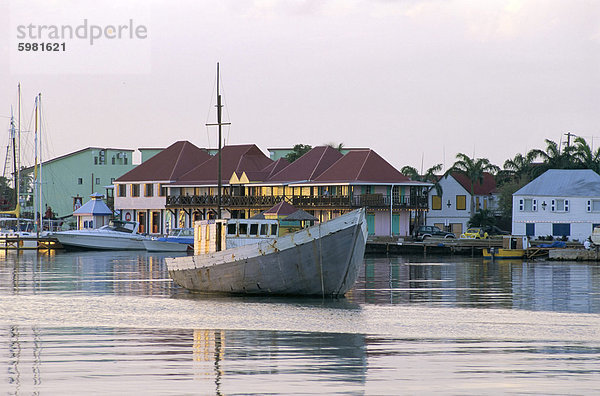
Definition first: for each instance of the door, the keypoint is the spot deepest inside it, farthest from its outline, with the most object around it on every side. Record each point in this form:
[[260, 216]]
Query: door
[[142, 221], [371, 224], [395, 224], [530, 229]]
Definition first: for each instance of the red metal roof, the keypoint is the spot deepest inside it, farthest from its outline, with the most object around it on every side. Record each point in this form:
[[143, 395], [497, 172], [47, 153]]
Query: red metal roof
[[169, 164], [309, 166], [281, 209], [487, 187], [238, 158], [364, 166]]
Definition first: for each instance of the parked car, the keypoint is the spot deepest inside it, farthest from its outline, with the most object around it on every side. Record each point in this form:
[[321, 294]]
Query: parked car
[[474, 233], [424, 232], [493, 230]]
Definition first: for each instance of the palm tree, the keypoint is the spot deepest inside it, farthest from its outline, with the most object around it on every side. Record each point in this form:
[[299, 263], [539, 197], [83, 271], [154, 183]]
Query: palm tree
[[431, 175], [473, 169], [553, 158], [584, 155], [339, 147], [520, 166]]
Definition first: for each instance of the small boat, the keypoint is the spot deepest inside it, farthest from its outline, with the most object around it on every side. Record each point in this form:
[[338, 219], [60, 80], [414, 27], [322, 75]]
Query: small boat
[[117, 235], [513, 247], [177, 240], [253, 256]]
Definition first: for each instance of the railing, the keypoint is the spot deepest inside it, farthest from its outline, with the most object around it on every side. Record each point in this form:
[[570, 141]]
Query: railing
[[301, 202]]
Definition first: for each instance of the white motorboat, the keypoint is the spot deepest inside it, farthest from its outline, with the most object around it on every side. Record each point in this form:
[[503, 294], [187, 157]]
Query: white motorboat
[[117, 235], [177, 240]]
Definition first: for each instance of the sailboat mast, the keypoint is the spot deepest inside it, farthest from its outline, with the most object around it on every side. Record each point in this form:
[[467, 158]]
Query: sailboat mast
[[219, 147], [40, 172], [18, 175], [35, 169], [13, 138]]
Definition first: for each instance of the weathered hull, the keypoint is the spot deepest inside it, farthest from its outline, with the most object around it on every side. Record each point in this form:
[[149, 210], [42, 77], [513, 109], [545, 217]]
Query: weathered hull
[[323, 260]]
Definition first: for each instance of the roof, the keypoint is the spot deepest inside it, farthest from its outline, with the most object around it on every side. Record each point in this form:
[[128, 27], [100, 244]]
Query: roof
[[94, 206], [564, 183], [487, 187], [281, 209], [301, 215], [236, 158], [167, 165], [362, 166], [309, 166]]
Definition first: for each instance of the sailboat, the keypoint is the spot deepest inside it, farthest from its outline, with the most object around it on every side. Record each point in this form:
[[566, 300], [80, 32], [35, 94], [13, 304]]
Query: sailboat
[[255, 256]]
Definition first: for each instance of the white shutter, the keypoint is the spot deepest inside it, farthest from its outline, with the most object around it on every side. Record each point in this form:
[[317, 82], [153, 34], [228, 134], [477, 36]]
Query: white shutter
[[553, 206], [589, 205], [534, 205], [566, 205], [521, 204]]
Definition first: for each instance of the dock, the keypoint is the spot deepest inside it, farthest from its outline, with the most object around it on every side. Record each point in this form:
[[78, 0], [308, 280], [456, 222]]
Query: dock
[[471, 247], [28, 243]]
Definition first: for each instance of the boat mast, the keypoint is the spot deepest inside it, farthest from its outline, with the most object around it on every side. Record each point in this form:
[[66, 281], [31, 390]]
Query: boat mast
[[219, 124], [40, 172], [35, 169], [219, 149], [18, 175]]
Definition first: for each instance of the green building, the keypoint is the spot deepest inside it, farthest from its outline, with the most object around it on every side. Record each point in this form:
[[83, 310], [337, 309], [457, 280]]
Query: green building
[[68, 181]]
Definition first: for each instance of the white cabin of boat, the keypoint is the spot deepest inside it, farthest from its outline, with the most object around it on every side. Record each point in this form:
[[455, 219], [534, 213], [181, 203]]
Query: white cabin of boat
[[232, 233]]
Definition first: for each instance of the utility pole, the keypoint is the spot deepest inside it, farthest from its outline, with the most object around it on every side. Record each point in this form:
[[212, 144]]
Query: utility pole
[[569, 134]]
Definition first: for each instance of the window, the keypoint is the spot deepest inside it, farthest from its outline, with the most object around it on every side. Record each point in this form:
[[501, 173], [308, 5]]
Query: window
[[162, 190], [527, 205], [112, 180], [254, 229], [135, 190], [436, 202], [461, 202], [273, 229], [122, 188], [561, 229], [97, 180], [124, 160], [79, 180], [559, 205], [231, 228], [593, 205], [264, 228], [530, 229], [149, 190], [243, 229], [113, 160], [95, 160]]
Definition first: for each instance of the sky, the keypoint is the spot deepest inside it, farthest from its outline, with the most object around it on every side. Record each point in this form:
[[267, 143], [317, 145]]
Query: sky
[[416, 81]]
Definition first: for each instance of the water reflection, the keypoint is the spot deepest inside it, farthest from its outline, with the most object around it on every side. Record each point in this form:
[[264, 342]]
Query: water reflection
[[472, 282], [181, 361]]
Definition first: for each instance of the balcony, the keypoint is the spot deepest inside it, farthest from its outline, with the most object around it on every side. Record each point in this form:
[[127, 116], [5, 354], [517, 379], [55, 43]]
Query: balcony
[[300, 202]]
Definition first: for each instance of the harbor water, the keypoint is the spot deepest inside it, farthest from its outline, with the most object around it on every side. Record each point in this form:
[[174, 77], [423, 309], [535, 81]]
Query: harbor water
[[114, 323]]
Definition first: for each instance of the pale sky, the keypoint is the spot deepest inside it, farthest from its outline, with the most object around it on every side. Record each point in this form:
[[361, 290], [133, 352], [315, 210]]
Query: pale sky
[[417, 81]]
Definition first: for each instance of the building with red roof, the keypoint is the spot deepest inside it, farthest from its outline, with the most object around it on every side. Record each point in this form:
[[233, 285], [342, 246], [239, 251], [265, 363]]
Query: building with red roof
[[452, 210]]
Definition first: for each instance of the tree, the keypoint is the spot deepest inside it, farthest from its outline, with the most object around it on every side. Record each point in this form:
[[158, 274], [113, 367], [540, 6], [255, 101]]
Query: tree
[[585, 157], [553, 158], [298, 151], [482, 218], [520, 167], [431, 176], [474, 170], [339, 147]]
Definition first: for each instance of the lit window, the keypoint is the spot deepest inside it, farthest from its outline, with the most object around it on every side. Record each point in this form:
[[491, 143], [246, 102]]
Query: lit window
[[461, 202]]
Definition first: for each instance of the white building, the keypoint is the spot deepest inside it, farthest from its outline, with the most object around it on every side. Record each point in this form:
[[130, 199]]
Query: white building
[[452, 210], [560, 202]]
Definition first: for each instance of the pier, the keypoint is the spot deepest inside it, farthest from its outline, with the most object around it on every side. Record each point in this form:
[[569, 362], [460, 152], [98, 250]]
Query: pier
[[28, 243]]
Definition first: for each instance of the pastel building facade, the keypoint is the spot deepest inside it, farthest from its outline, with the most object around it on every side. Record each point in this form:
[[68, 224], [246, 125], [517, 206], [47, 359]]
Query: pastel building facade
[[562, 203]]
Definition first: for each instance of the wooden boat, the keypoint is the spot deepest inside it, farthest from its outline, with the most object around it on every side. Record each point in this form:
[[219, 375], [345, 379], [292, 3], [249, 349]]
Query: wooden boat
[[322, 260]]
